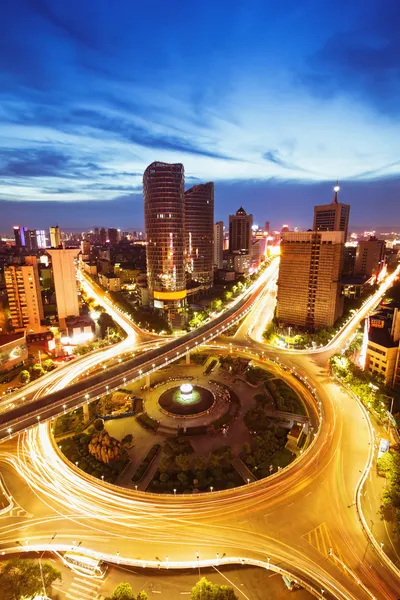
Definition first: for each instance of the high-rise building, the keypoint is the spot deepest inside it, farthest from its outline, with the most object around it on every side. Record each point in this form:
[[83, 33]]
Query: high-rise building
[[240, 226], [96, 234], [64, 275], [19, 235], [102, 236], [332, 217], [199, 222], [113, 235], [31, 239], [24, 297], [370, 257], [218, 244], [164, 213], [55, 237], [309, 273], [267, 226], [41, 238], [85, 248]]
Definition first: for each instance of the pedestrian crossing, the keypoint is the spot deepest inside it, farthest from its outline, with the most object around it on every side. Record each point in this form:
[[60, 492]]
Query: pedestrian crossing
[[83, 588], [321, 539], [18, 512]]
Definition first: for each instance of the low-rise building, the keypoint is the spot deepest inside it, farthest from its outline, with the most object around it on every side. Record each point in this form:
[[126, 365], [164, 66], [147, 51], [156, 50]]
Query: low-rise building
[[110, 282], [79, 330]]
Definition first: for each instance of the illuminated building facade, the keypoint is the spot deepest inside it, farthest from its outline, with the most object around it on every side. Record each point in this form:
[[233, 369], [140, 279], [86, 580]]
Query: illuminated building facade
[[64, 275], [218, 244], [370, 257], [31, 239], [164, 213], [309, 278], [199, 223], [332, 217], [19, 235], [24, 297], [240, 225], [55, 236]]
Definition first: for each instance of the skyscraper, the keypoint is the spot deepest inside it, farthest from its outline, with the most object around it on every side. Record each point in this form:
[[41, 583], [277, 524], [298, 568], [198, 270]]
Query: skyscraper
[[164, 213], [64, 275], [24, 298], [308, 283], [19, 235], [102, 236], [332, 217], [113, 236], [55, 237], [218, 244], [31, 239], [199, 222], [370, 257], [240, 226]]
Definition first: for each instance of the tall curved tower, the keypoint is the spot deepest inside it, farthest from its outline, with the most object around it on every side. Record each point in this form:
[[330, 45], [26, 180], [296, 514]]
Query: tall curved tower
[[199, 229], [164, 215]]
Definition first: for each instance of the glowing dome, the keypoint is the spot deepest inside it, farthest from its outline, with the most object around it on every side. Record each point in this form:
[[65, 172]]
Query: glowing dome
[[186, 390]]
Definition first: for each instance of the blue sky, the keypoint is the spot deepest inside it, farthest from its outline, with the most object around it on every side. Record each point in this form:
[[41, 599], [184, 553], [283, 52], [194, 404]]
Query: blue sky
[[273, 101]]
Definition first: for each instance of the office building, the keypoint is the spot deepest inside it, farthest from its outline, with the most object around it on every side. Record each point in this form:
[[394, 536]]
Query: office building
[[199, 223], [31, 239], [55, 237], [370, 257], [164, 213], [218, 244], [19, 235], [102, 236], [113, 236], [24, 297], [332, 217], [308, 283], [383, 352], [64, 275], [240, 226], [267, 227], [85, 248], [41, 238]]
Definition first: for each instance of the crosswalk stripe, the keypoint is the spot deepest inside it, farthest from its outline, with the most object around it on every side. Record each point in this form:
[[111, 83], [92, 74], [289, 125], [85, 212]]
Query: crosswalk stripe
[[82, 587], [88, 582], [81, 594]]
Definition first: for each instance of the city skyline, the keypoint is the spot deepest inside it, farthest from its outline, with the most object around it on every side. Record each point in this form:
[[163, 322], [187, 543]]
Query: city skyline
[[272, 123]]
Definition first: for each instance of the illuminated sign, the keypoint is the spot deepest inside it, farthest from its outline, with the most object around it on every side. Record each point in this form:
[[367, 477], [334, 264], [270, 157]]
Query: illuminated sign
[[178, 295]]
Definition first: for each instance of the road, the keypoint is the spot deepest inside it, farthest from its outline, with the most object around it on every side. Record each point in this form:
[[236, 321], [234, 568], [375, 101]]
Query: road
[[305, 520]]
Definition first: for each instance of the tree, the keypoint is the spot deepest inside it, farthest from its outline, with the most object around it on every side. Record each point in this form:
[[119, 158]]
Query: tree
[[105, 322], [21, 578], [98, 424], [48, 364], [37, 371], [142, 596], [123, 591], [205, 590], [24, 376], [182, 461]]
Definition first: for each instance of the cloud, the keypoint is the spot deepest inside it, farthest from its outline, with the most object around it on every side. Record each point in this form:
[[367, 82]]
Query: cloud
[[362, 59], [273, 156]]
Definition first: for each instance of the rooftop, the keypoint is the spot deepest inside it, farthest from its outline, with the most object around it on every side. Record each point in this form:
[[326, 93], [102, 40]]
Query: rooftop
[[12, 337], [381, 337]]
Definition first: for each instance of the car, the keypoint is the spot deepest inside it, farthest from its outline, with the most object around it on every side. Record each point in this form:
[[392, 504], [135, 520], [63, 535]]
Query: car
[[68, 358]]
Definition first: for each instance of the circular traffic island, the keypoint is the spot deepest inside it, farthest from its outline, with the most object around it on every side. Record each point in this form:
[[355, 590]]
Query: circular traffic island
[[186, 400]]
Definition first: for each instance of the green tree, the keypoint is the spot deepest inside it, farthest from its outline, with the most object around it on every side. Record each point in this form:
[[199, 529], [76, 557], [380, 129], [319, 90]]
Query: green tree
[[142, 596], [98, 424], [24, 376], [20, 578], [36, 371], [123, 591], [205, 590], [182, 461], [216, 304], [48, 364], [199, 463]]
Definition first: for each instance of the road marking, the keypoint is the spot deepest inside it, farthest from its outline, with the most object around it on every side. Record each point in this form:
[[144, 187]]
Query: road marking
[[321, 539], [87, 582], [78, 584]]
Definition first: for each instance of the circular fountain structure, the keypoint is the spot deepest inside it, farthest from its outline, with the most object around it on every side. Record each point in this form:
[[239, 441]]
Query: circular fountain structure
[[186, 400]]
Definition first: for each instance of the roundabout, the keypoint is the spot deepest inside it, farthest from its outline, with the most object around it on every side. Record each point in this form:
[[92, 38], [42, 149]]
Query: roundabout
[[303, 520]]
